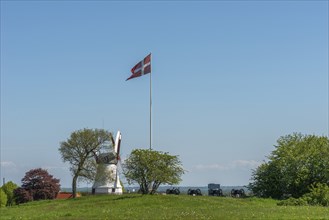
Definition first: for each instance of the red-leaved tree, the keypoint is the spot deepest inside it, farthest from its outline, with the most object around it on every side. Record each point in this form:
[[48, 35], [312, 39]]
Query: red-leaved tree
[[38, 184], [21, 195]]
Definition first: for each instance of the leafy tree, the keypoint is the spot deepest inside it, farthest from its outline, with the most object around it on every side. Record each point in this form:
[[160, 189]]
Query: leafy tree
[[9, 188], [150, 169], [40, 184], [267, 181], [297, 162], [80, 151], [3, 198]]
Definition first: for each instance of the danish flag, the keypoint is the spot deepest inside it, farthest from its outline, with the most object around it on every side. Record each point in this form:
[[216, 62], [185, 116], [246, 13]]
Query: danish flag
[[141, 68]]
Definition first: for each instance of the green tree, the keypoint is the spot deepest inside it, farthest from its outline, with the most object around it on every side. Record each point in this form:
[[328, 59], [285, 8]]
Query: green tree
[[267, 181], [297, 162], [80, 151], [149, 169], [9, 188], [3, 198]]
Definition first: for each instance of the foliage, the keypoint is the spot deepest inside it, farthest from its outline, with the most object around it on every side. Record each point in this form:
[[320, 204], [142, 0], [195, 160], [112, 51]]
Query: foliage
[[21, 195], [80, 151], [319, 195], [3, 198], [136, 206], [123, 187], [9, 188], [266, 181], [150, 169], [37, 184], [293, 202], [297, 162]]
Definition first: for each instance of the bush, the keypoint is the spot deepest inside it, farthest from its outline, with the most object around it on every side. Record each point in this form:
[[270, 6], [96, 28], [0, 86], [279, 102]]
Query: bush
[[9, 188], [21, 195], [319, 195], [293, 202], [3, 198]]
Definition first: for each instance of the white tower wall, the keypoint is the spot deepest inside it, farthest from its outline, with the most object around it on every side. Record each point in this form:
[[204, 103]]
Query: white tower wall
[[107, 178]]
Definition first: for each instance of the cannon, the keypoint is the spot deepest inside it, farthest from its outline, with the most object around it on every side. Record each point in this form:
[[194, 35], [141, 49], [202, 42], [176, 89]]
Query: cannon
[[173, 191], [194, 192], [214, 190], [237, 193]]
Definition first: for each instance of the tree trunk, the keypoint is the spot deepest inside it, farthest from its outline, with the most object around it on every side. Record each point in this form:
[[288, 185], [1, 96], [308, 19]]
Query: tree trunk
[[74, 186], [155, 186]]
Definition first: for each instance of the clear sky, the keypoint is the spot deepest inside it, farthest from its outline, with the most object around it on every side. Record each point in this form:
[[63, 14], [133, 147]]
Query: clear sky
[[228, 79]]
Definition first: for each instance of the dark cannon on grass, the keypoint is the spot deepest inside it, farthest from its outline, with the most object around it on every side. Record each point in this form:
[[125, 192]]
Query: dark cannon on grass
[[237, 193], [214, 190], [173, 191], [194, 192]]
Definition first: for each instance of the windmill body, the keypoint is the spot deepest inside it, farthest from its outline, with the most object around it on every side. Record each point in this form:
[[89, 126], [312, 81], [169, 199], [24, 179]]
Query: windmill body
[[107, 178]]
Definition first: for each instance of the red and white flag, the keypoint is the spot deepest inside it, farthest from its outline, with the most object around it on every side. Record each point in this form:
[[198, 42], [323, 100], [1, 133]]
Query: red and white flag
[[141, 68]]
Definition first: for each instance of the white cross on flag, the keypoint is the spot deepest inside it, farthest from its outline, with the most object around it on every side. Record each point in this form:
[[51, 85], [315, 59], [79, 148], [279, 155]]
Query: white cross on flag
[[141, 68]]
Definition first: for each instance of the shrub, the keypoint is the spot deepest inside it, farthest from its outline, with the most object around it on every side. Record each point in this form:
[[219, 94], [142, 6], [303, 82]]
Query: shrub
[[293, 202], [9, 188], [21, 195], [3, 198], [319, 195]]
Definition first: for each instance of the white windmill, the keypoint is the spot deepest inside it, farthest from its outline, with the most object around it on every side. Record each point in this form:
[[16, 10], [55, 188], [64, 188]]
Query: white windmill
[[107, 178]]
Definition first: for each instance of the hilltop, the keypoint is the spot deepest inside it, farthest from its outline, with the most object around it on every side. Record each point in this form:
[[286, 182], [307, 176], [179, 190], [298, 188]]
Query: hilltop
[[136, 206]]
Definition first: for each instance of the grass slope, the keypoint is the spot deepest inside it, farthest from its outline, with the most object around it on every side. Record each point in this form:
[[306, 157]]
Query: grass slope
[[134, 206]]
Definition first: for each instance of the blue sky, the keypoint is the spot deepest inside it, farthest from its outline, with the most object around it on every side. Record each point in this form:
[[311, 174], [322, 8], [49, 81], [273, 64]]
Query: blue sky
[[228, 79]]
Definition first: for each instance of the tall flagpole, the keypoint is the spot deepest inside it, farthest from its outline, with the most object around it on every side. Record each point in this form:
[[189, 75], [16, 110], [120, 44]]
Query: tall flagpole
[[137, 71], [151, 107]]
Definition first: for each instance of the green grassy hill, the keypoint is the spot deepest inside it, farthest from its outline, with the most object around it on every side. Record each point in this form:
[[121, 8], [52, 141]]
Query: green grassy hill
[[134, 206]]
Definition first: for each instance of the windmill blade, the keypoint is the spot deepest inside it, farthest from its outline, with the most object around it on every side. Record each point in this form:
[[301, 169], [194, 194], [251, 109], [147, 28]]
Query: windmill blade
[[117, 145]]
